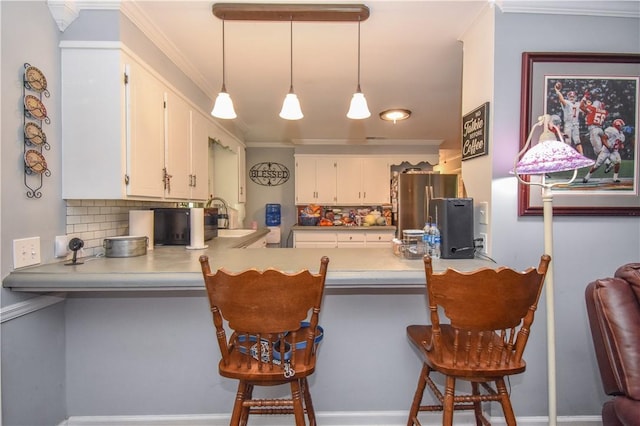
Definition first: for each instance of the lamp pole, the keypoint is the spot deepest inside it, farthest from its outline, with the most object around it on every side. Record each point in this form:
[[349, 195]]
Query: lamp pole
[[550, 155], [547, 213]]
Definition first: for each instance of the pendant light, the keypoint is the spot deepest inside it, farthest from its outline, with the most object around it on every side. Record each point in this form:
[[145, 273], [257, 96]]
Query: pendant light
[[291, 105], [223, 107], [358, 108]]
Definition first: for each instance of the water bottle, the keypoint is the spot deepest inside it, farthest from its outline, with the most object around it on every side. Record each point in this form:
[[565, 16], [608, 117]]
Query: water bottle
[[426, 238], [436, 240]]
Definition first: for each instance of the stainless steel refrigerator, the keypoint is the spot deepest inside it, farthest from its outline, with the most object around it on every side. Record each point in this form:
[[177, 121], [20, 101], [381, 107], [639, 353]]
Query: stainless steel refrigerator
[[415, 190]]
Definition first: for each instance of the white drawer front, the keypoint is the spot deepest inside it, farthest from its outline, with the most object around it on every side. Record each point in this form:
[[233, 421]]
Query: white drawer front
[[315, 236], [351, 236]]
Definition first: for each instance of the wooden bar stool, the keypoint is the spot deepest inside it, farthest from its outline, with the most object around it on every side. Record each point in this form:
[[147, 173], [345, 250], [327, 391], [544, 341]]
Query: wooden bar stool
[[272, 318], [480, 324]]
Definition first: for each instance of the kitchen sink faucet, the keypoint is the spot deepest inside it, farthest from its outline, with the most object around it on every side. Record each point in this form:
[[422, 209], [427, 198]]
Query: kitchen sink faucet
[[225, 206]]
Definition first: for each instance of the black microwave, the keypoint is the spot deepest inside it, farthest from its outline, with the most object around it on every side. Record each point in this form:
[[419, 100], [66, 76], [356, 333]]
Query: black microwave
[[172, 226]]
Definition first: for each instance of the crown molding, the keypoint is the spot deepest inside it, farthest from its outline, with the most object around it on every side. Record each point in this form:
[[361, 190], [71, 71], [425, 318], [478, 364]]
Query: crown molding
[[617, 9], [64, 12]]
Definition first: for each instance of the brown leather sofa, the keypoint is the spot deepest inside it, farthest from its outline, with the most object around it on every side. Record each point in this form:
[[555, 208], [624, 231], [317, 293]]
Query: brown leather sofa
[[613, 307]]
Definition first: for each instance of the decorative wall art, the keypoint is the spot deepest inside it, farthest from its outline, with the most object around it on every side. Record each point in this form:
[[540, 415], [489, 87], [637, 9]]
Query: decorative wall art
[[35, 139], [269, 174], [593, 100], [475, 132]]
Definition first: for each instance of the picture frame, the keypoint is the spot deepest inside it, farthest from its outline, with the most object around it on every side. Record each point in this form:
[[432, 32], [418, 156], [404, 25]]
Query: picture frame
[[611, 80]]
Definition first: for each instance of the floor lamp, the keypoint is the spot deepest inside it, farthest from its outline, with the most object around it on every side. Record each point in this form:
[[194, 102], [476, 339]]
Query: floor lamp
[[549, 155]]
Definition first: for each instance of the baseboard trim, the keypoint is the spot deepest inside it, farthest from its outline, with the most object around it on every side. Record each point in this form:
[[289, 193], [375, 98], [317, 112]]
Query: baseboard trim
[[350, 418], [34, 304]]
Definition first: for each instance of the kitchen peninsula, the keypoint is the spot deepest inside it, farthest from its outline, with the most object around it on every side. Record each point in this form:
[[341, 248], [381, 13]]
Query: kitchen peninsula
[[138, 336], [176, 268]]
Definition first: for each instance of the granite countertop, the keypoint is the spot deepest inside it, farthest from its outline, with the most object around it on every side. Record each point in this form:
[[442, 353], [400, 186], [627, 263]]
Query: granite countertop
[[177, 268]]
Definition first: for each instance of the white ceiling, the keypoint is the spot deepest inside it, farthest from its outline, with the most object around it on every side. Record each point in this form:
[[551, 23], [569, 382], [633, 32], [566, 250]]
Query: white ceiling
[[411, 57]]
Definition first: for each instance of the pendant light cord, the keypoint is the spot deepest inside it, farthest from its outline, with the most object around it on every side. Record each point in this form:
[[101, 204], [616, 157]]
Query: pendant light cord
[[224, 89], [291, 55], [359, 54]]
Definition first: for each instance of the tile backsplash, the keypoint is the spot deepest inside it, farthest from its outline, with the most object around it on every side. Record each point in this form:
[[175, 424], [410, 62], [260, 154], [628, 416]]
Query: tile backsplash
[[94, 220]]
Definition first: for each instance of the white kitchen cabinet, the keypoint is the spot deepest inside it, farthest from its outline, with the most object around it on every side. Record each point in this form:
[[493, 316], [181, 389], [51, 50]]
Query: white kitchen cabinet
[[315, 180], [229, 169], [242, 175], [186, 149], [199, 174], [376, 180], [343, 238], [261, 243], [342, 180], [112, 125], [126, 133], [315, 239], [178, 148], [363, 181], [145, 139], [351, 239], [349, 178], [378, 239]]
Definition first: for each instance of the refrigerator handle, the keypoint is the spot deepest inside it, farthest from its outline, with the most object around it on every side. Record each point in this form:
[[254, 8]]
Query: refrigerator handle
[[428, 196]]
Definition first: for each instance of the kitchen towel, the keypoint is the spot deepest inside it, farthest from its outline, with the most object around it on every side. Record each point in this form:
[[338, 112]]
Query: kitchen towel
[[196, 220], [141, 225]]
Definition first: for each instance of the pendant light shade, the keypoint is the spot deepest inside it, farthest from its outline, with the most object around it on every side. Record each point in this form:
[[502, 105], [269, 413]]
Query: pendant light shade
[[223, 107], [291, 106], [358, 108]]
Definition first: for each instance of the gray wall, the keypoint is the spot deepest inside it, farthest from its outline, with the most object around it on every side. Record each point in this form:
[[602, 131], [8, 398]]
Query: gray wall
[[258, 196], [33, 346], [23, 217]]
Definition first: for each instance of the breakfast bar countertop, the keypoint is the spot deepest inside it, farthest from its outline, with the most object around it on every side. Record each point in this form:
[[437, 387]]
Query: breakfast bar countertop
[[177, 268]]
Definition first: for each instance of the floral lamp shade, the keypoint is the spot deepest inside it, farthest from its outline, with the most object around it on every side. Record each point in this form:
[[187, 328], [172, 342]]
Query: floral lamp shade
[[551, 156]]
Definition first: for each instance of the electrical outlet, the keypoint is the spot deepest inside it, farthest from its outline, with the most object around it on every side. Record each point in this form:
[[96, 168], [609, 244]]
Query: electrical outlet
[[26, 252], [484, 243], [61, 248]]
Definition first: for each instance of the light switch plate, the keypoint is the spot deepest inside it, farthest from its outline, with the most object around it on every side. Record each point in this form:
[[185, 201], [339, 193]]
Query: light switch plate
[[483, 211], [26, 252]]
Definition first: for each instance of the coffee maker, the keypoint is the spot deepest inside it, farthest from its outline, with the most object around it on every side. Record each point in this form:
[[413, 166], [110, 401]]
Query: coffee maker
[[454, 218]]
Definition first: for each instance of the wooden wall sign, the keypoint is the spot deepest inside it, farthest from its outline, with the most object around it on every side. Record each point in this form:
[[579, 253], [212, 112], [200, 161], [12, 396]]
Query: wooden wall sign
[[475, 132]]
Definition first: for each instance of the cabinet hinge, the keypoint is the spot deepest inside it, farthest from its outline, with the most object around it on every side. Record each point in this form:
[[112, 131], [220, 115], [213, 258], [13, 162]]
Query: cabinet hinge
[[126, 179], [126, 78]]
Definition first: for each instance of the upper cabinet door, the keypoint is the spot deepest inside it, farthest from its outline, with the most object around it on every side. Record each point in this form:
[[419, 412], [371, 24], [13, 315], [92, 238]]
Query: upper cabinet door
[[178, 148], [199, 157], [242, 175], [93, 123], [326, 180], [376, 181], [305, 180], [145, 133], [349, 181], [315, 180]]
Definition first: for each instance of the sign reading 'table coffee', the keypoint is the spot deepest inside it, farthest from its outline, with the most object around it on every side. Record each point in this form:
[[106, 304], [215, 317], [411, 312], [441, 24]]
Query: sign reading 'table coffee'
[[475, 132]]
